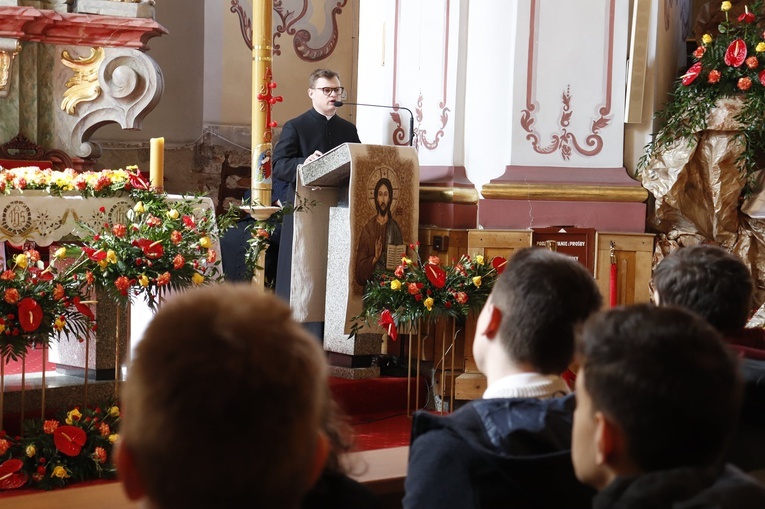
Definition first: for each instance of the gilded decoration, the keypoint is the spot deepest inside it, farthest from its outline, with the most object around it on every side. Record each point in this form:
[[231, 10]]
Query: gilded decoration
[[9, 48], [83, 86]]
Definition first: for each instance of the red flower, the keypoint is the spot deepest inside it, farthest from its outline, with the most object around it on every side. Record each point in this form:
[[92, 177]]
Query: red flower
[[83, 308], [119, 230], [499, 263], [153, 221], [691, 74], [34, 255], [399, 272], [434, 260], [94, 254], [436, 275], [211, 256], [188, 221], [746, 17], [386, 321], [163, 279], [736, 53], [11, 474], [752, 62], [122, 283], [102, 182], [699, 52], [760, 77], [137, 181], [461, 297], [714, 76], [11, 296], [58, 292], [412, 288], [69, 440], [151, 249], [8, 275], [744, 83], [178, 261], [176, 237], [262, 233], [30, 314]]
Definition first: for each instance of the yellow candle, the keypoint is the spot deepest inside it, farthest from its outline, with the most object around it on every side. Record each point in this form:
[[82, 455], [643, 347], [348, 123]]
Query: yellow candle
[[157, 163]]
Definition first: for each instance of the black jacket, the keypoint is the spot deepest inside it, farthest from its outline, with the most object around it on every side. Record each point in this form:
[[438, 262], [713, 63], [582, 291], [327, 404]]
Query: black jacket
[[300, 137], [501, 453], [684, 488]]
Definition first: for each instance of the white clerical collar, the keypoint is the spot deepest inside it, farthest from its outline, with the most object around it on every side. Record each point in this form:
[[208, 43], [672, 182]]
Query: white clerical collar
[[527, 385]]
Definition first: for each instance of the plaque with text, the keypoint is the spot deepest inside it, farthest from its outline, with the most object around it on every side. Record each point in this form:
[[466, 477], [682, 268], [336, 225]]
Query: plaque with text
[[578, 243]]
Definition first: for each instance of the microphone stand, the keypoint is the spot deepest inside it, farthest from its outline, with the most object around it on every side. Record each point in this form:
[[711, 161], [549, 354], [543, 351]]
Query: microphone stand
[[411, 115]]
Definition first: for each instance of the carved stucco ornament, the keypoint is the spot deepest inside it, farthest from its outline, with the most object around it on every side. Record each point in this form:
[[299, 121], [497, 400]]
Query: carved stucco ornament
[[131, 86], [9, 48], [83, 86]]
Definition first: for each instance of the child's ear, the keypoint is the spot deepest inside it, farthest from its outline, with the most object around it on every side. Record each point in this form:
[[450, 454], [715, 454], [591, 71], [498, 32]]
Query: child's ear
[[128, 473], [495, 319], [610, 442]]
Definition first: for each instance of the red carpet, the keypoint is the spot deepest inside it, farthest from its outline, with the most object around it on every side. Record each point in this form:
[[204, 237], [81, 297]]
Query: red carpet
[[377, 408], [34, 363]]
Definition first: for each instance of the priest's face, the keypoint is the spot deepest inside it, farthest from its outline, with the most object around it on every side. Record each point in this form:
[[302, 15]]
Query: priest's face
[[324, 104]]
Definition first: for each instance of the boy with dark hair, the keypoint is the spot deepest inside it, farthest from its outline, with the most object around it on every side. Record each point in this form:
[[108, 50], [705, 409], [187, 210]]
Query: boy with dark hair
[[708, 280], [511, 448], [223, 403], [657, 400], [717, 285]]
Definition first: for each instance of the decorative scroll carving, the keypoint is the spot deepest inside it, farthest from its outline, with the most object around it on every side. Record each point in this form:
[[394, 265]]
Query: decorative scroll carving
[[245, 23], [422, 134], [131, 84], [8, 50], [565, 139], [83, 86], [302, 37]]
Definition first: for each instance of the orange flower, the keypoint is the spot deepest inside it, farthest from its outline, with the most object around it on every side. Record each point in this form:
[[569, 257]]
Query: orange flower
[[714, 76], [163, 279], [744, 83], [11, 296], [178, 261]]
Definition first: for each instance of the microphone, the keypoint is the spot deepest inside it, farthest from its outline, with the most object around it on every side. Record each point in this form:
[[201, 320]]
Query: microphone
[[411, 115]]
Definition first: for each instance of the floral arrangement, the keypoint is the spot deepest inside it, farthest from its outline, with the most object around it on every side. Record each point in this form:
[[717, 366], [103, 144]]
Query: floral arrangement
[[76, 446], [261, 231], [166, 245], [40, 302], [426, 291], [89, 183], [728, 64]]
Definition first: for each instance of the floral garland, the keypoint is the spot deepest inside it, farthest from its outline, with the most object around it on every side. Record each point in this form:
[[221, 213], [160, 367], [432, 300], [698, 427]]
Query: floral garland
[[89, 183], [41, 302], [729, 64], [427, 291], [76, 446]]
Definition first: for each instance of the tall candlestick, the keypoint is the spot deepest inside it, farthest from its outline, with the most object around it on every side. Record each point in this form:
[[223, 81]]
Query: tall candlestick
[[157, 163]]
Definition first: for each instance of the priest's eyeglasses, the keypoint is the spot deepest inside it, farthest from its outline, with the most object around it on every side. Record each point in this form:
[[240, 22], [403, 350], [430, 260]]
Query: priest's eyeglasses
[[329, 90]]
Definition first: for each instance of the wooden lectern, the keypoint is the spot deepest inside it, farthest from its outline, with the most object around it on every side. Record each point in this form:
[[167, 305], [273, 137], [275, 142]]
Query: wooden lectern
[[367, 213]]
